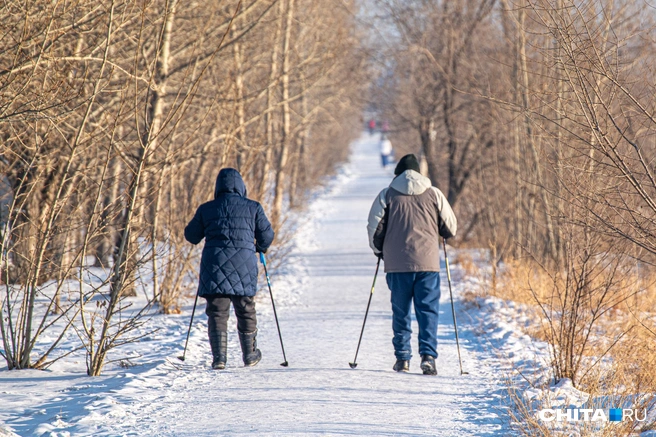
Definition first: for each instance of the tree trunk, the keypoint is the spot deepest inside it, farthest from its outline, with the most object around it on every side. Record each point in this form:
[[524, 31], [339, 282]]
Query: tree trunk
[[157, 104], [551, 239], [268, 116], [286, 119]]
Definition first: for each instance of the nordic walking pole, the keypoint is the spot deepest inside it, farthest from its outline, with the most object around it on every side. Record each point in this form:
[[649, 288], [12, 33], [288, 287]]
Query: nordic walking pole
[[354, 364], [453, 310], [182, 357], [266, 273]]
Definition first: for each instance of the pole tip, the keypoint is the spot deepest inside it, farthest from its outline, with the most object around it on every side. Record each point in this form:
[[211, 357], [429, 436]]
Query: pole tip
[[285, 364], [353, 365], [181, 358]]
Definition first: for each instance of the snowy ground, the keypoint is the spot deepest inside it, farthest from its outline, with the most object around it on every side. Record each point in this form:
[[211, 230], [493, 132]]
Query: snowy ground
[[321, 298]]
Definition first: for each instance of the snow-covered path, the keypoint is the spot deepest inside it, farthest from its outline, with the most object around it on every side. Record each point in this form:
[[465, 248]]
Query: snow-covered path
[[318, 394]]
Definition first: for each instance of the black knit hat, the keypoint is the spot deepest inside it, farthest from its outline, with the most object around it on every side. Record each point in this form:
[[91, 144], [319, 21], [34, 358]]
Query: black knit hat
[[408, 162]]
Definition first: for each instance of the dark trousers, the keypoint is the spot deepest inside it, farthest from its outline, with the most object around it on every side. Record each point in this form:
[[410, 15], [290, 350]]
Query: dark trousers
[[218, 312], [422, 289]]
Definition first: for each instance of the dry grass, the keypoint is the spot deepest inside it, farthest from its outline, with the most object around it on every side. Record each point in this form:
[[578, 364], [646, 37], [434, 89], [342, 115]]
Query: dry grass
[[619, 360], [465, 261]]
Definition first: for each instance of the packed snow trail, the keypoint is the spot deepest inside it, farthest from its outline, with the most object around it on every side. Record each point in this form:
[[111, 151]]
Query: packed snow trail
[[319, 393], [321, 302]]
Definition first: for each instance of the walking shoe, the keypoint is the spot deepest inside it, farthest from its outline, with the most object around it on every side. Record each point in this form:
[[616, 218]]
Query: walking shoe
[[402, 366], [428, 365], [219, 345], [249, 350]]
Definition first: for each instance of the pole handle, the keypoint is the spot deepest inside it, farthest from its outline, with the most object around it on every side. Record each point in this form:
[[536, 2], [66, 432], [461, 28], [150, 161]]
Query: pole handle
[[262, 260]]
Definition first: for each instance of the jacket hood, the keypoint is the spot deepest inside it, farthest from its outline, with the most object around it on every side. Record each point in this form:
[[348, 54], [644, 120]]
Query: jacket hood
[[229, 181], [411, 183]]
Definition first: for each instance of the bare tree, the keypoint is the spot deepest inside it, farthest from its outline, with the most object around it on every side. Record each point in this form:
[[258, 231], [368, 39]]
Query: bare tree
[[114, 119]]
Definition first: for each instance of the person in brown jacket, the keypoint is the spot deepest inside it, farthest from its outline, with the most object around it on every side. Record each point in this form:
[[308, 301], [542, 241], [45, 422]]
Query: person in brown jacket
[[406, 222]]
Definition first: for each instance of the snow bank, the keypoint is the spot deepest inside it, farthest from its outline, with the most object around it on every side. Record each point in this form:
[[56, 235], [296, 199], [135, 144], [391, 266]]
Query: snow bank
[[526, 362]]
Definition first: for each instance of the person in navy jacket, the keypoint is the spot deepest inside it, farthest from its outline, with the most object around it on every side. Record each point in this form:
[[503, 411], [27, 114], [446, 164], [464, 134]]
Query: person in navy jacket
[[234, 228]]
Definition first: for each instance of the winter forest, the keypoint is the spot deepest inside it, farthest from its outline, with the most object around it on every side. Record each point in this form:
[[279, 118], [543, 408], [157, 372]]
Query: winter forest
[[536, 119]]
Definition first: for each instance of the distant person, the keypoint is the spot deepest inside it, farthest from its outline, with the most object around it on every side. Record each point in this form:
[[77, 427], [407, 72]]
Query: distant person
[[372, 126], [406, 222], [234, 228], [386, 151], [385, 128]]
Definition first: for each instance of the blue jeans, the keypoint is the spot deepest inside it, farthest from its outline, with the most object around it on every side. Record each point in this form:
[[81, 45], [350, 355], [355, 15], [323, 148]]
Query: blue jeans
[[422, 288]]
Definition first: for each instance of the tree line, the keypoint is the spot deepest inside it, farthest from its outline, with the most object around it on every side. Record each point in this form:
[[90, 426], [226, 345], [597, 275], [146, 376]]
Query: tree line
[[115, 118], [536, 117]]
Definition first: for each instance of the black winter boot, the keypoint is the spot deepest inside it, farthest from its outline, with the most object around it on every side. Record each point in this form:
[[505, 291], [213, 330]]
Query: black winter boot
[[428, 365], [402, 366], [219, 345], [249, 350]]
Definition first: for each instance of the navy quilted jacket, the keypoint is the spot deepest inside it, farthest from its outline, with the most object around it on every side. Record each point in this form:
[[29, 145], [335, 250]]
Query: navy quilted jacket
[[232, 225]]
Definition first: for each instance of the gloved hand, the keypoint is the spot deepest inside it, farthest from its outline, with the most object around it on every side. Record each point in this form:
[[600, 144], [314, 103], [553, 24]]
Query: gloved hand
[[259, 249], [379, 255]]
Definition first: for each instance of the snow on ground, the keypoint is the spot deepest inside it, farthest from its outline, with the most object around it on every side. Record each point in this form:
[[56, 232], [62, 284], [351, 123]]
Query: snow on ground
[[321, 295]]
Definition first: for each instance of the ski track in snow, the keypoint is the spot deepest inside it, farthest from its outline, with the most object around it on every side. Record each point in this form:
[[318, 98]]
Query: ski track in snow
[[321, 296]]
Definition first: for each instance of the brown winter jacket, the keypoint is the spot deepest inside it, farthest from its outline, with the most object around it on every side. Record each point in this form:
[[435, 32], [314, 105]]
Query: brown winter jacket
[[406, 222]]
